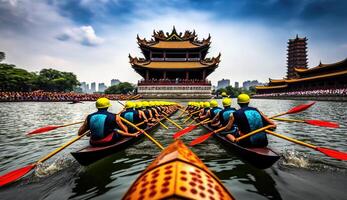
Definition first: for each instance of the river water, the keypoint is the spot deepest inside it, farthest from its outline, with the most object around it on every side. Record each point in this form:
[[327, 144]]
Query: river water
[[301, 173]]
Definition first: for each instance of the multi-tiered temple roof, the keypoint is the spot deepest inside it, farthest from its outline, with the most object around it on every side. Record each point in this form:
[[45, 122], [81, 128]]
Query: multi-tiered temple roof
[[174, 52], [174, 65]]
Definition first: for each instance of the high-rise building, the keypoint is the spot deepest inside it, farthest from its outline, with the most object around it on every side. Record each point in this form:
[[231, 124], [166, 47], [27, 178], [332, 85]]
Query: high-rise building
[[223, 83], [102, 87], [114, 82], [237, 85], [247, 84], [93, 87], [296, 56]]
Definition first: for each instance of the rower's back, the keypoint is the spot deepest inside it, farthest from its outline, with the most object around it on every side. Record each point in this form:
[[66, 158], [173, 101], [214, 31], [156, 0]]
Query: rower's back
[[249, 119]]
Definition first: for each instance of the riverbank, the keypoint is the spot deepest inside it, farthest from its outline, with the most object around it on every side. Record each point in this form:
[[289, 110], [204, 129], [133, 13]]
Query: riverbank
[[312, 98], [41, 96]]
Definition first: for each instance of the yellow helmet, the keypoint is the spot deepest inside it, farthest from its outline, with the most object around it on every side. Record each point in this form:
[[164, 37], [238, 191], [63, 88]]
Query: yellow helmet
[[224, 94], [102, 103], [130, 104], [243, 98], [226, 102], [206, 104], [138, 104], [145, 104], [213, 103]]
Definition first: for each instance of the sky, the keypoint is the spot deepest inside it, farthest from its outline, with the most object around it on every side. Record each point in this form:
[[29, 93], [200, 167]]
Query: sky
[[93, 38]]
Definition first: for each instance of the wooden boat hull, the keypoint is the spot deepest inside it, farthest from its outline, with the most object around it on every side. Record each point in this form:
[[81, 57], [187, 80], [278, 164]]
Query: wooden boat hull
[[91, 154], [261, 158], [177, 173]]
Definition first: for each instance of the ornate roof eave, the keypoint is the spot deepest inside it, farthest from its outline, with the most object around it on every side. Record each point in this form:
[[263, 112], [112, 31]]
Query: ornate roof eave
[[270, 87], [211, 61], [320, 66], [174, 36], [207, 63]]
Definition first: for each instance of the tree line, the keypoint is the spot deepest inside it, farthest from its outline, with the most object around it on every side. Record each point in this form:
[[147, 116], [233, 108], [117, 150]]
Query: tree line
[[17, 79], [234, 92]]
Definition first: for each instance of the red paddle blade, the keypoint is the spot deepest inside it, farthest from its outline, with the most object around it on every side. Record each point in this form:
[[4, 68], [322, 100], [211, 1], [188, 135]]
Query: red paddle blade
[[184, 131], [14, 175], [42, 130], [323, 123], [201, 139], [300, 108], [333, 153]]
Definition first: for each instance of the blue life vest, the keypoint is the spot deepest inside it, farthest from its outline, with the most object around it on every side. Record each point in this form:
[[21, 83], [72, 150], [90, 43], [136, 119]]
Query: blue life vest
[[249, 119], [224, 115], [132, 116], [101, 124], [214, 111]]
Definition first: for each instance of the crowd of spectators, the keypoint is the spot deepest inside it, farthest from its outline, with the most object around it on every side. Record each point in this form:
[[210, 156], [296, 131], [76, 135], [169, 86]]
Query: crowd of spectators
[[342, 92], [174, 81], [59, 96]]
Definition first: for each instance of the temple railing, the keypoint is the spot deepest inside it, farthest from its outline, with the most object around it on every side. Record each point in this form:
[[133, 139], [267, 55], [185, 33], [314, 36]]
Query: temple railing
[[173, 82]]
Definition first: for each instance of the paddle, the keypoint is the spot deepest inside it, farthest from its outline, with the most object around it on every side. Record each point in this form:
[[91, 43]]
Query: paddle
[[194, 119], [50, 127], [205, 137], [183, 111], [142, 131], [329, 152], [296, 109], [163, 125], [254, 132], [18, 173], [190, 115], [174, 123], [311, 122], [189, 129]]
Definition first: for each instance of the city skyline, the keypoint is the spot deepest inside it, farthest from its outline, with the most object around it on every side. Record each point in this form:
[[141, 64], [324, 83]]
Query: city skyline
[[88, 37]]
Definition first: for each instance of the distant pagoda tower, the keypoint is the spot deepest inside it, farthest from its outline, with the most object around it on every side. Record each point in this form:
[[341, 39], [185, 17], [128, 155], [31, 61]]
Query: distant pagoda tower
[[296, 56], [174, 66]]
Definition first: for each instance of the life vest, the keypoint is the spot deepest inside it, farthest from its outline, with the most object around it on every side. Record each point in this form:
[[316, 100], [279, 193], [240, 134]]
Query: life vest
[[224, 115], [214, 111], [249, 119], [101, 124], [132, 116]]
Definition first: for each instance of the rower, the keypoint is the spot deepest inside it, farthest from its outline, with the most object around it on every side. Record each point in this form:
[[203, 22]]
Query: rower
[[223, 116], [142, 116], [104, 126], [149, 114], [213, 111], [131, 115], [204, 110], [247, 120]]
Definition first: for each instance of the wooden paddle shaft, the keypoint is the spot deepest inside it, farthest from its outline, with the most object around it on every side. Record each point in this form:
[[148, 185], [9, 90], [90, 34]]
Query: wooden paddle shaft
[[254, 132], [144, 132], [190, 115], [291, 139], [174, 123], [61, 148], [163, 125], [289, 120], [284, 113]]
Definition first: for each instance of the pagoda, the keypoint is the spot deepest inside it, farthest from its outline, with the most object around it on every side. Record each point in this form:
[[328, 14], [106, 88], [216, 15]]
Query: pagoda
[[174, 65], [301, 78], [296, 56]]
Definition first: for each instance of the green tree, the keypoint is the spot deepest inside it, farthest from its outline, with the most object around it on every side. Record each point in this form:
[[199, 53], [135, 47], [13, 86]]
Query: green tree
[[2, 56], [15, 79], [121, 88], [54, 80]]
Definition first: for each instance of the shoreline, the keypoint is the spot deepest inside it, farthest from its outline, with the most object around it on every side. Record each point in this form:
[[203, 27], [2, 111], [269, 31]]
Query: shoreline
[[316, 98]]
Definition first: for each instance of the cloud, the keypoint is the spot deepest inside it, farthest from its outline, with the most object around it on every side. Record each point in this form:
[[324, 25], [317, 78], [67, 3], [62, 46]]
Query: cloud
[[33, 33], [85, 35]]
